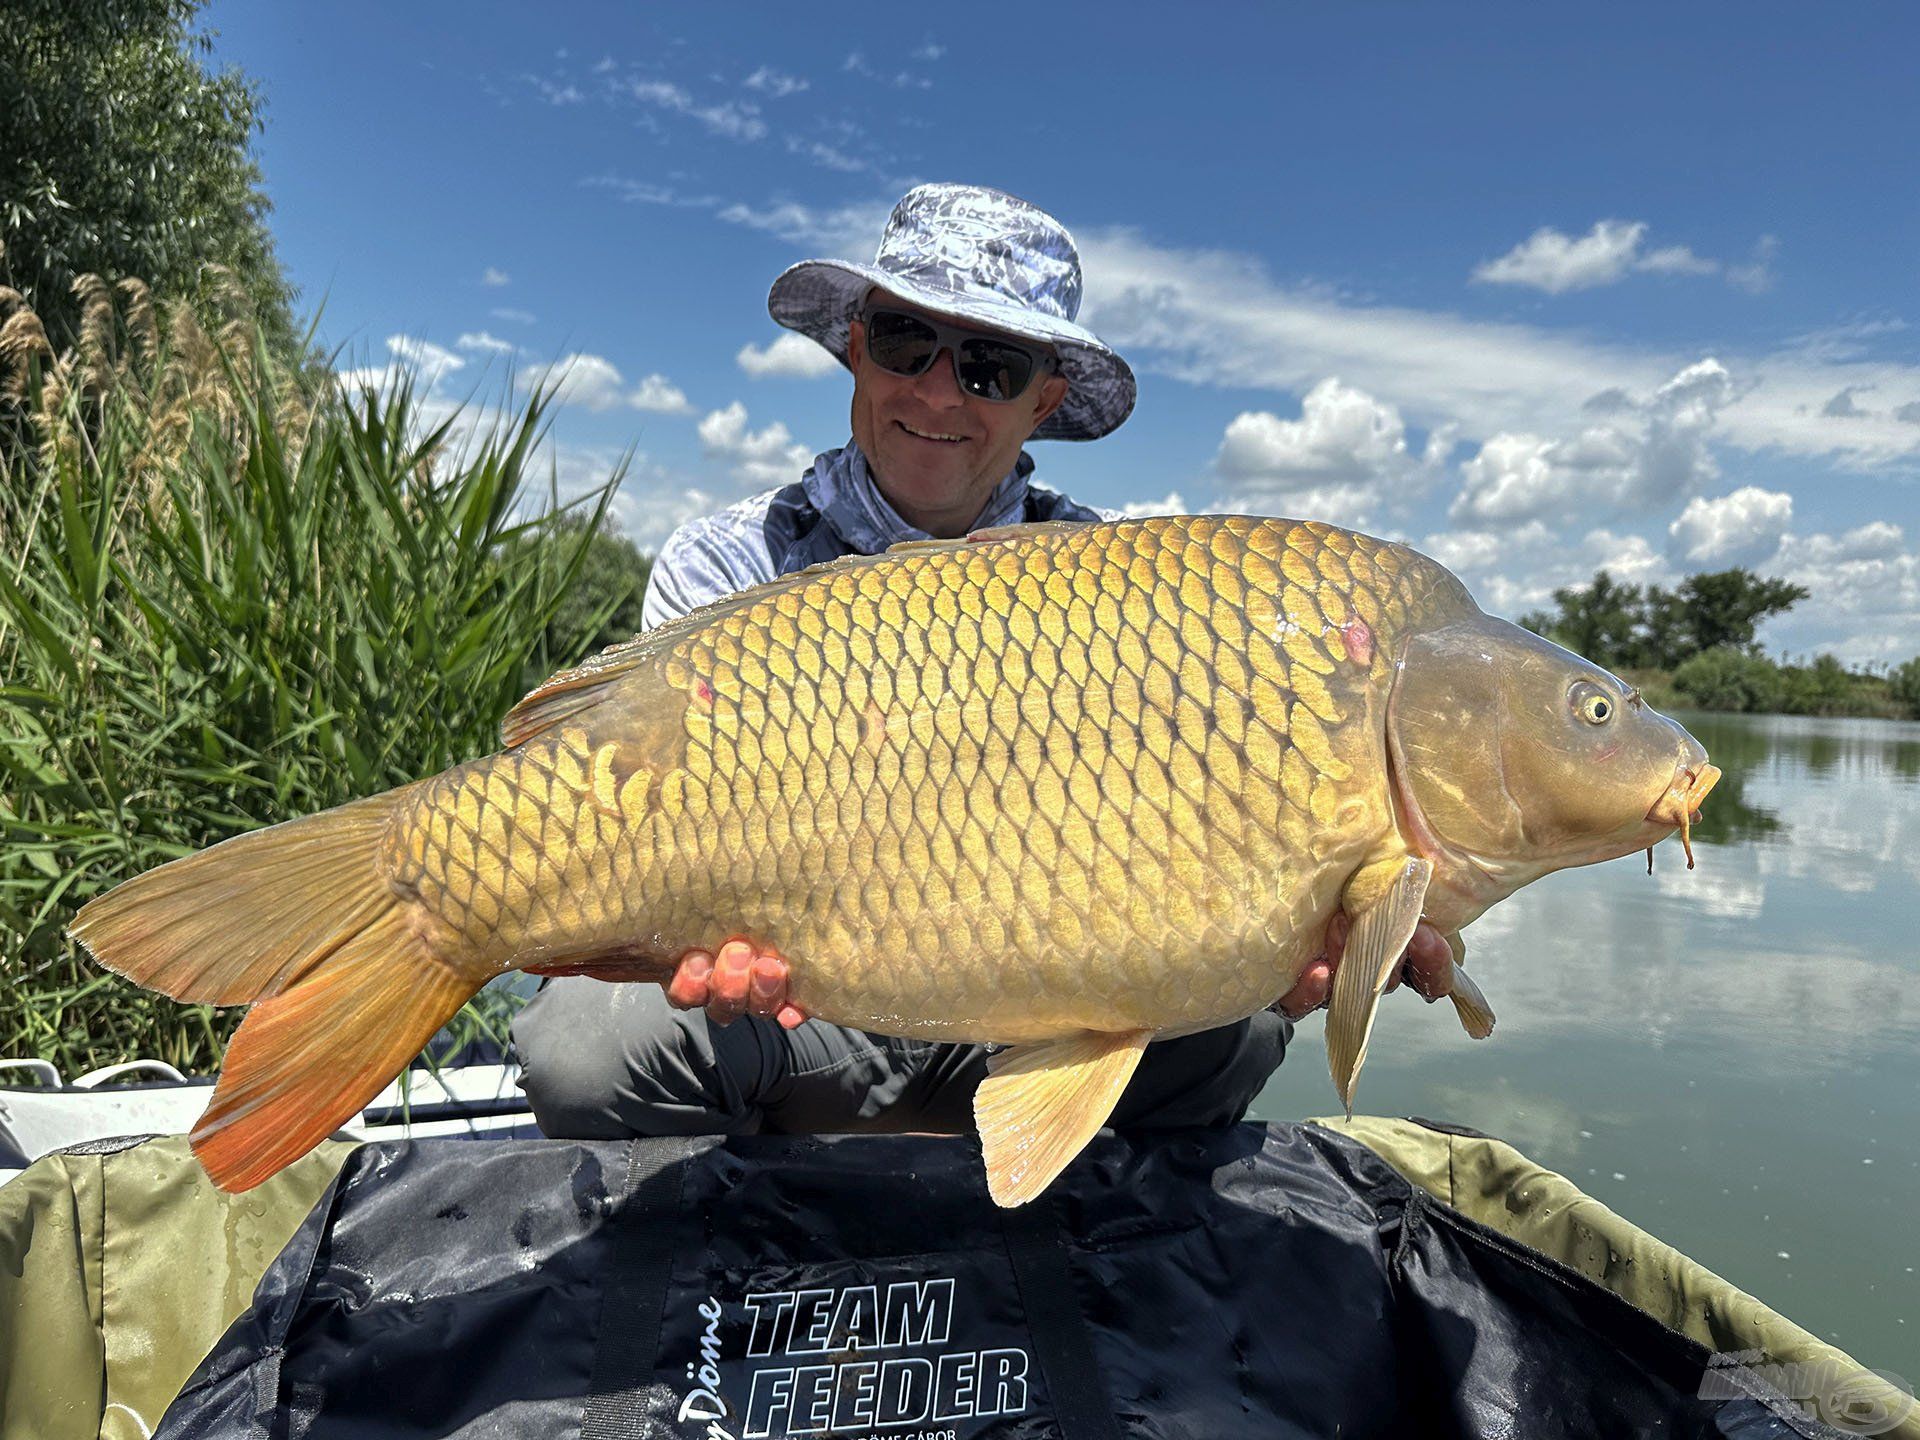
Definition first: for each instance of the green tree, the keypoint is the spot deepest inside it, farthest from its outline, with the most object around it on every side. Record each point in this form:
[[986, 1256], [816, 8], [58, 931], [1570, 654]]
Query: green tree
[[1724, 608], [121, 155], [1597, 621], [1904, 682], [1662, 638]]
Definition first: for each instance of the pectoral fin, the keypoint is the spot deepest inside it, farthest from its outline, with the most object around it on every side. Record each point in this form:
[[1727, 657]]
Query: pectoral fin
[[1476, 1015], [1041, 1103], [1374, 946]]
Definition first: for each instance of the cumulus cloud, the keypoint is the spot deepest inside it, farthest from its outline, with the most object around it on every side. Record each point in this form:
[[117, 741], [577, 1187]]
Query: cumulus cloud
[[1555, 262], [1864, 594], [1738, 529], [1335, 462], [657, 394], [772, 83], [1172, 503], [1551, 261], [791, 355], [481, 340], [769, 456], [594, 383], [419, 362], [491, 276], [1640, 454]]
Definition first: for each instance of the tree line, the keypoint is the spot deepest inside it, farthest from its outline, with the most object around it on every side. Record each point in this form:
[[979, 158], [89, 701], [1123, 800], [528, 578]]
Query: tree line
[[1697, 644]]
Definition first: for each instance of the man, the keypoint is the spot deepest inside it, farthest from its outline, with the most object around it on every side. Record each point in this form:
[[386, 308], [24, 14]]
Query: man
[[962, 344]]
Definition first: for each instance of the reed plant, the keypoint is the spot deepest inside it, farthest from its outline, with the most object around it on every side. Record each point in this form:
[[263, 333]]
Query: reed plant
[[232, 594]]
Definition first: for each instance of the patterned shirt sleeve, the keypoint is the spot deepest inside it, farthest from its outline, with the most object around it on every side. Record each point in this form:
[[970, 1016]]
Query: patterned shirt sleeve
[[708, 559]]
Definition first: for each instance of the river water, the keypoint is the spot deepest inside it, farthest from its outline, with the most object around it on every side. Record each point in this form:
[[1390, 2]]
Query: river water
[[1728, 1057]]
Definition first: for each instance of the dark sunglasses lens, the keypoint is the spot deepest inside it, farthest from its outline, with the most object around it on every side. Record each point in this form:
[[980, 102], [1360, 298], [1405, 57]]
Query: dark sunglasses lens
[[994, 370], [900, 343]]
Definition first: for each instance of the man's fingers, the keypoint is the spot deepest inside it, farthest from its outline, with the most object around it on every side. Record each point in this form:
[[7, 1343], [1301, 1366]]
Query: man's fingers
[[768, 990], [1309, 992], [1429, 966], [688, 989], [732, 979]]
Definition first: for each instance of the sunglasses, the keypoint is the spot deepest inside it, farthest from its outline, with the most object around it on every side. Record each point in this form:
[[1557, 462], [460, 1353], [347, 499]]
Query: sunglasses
[[986, 366]]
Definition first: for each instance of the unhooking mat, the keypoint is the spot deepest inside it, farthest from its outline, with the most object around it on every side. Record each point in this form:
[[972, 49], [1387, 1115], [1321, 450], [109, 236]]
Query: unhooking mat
[[1272, 1281]]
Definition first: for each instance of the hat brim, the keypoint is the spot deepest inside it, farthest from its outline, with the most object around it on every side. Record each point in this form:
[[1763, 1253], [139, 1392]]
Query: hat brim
[[821, 298]]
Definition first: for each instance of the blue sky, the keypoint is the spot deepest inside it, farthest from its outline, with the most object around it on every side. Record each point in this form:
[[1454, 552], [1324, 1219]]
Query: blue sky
[[1536, 289]]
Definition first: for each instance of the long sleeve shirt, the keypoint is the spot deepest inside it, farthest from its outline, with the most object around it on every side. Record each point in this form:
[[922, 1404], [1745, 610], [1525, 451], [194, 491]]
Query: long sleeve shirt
[[834, 509]]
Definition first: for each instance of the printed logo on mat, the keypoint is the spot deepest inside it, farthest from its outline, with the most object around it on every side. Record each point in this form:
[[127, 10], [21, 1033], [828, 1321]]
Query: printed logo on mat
[[868, 1362]]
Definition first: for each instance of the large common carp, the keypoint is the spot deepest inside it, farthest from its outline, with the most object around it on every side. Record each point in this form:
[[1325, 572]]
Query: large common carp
[[1066, 788]]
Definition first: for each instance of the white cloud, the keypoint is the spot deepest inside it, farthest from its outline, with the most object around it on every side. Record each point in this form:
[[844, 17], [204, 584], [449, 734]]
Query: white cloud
[[591, 381], [1756, 276], [825, 155], [791, 355], [1738, 529], [1676, 260], [1639, 455], [491, 276], [769, 456], [1337, 460], [1556, 263], [1550, 261], [481, 340], [734, 119], [849, 230], [1864, 594], [1172, 503], [657, 394], [594, 383], [519, 317], [645, 192], [420, 362], [930, 51], [856, 64], [774, 84]]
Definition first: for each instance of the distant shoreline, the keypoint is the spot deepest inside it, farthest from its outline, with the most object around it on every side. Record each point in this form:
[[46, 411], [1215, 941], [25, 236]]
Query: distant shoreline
[[1754, 685]]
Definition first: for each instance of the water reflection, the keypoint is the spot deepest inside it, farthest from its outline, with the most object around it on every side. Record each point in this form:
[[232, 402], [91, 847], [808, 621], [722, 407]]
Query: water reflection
[[1730, 1056]]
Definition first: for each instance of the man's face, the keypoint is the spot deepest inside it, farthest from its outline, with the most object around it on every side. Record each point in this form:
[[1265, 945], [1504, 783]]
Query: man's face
[[936, 452]]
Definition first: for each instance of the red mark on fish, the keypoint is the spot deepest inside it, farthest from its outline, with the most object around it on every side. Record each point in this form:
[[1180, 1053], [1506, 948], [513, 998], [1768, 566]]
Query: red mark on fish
[[1359, 641]]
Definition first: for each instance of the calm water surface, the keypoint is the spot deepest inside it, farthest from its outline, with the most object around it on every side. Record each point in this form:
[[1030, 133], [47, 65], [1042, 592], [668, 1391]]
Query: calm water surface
[[1728, 1057]]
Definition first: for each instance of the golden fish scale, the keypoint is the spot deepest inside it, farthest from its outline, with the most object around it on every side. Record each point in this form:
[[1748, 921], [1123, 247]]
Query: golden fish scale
[[1099, 777]]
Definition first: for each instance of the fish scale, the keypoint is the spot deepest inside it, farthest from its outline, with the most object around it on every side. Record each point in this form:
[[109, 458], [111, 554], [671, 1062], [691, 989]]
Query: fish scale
[[982, 791]]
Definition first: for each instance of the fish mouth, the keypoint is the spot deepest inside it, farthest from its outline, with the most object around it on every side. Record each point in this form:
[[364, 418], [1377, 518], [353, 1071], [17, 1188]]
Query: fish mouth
[[1679, 806]]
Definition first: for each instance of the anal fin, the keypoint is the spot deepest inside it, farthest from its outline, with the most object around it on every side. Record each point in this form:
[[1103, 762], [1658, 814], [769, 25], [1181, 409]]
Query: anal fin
[[1041, 1103], [1378, 939]]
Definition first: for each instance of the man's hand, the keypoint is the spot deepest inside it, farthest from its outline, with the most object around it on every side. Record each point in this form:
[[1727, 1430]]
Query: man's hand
[[1427, 967], [738, 981]]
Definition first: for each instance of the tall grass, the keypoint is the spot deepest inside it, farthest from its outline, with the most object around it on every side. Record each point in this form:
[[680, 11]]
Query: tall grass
[[231, 595]]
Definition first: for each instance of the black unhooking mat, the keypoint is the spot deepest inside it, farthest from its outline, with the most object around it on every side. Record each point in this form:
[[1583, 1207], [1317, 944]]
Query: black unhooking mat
[[1272, 1282]]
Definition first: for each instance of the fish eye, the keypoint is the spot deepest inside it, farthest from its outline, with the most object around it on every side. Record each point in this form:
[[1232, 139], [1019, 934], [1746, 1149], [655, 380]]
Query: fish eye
[[1591, 703]]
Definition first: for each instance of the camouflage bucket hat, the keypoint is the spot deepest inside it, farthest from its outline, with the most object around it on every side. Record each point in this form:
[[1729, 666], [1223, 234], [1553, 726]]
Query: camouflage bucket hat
[[984, 258]]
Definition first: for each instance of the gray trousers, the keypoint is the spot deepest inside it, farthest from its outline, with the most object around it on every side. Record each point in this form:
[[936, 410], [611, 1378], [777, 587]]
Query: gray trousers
[[601, 1061]]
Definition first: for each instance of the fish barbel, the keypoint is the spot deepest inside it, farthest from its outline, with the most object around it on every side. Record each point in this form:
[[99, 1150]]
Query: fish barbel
[[1065, 788]]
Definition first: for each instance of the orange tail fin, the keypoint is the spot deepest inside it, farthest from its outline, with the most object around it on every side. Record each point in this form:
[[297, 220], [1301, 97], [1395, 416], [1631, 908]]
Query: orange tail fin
[[300, 919]]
